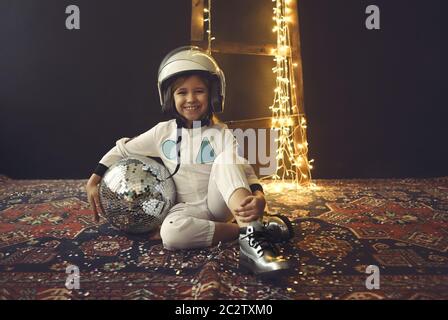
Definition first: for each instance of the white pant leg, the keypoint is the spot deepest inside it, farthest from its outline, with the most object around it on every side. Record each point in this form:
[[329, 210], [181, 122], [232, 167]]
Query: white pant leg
[[224, 180], [186, 227], [189, 226]]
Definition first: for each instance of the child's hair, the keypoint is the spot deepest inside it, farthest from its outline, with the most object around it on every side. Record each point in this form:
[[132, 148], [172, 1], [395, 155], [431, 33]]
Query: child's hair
[[169, 107]]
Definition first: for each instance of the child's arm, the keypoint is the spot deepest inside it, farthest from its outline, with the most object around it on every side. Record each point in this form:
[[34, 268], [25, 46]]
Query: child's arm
[[144, 144], [252, 207]]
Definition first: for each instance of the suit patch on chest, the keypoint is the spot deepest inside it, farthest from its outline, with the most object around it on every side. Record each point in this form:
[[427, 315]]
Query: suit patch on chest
[[206, 153], [169, 149]]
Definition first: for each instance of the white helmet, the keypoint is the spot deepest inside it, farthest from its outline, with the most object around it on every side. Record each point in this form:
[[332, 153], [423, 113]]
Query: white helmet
[[191, 58]]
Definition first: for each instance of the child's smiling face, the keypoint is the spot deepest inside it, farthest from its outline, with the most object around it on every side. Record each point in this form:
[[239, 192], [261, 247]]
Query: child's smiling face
[[191, 99]]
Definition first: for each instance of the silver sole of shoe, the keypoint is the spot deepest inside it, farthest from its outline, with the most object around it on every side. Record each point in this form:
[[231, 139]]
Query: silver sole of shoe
[[248, 266]]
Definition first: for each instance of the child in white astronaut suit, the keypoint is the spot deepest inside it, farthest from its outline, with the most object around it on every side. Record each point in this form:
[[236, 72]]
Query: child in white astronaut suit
[[213, 183]]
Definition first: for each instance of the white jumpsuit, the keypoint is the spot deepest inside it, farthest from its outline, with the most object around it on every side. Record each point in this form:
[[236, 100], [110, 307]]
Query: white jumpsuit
[[205, 180]]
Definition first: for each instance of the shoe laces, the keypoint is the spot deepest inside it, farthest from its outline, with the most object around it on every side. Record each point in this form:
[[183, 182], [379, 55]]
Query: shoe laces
[[261, 239]]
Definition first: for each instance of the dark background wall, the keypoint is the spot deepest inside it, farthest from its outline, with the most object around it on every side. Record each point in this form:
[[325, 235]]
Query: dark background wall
[[67, 96], [374, 99]]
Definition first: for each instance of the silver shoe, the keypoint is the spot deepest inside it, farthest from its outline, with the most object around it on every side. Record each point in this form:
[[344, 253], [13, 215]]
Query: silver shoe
[[278, 227], [259, 255]]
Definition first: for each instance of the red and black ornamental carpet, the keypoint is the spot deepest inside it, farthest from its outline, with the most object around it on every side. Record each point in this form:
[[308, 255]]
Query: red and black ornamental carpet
[[342, 226]]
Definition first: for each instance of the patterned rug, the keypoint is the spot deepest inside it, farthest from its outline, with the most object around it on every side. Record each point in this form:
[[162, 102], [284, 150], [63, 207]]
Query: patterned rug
[[342, 227]]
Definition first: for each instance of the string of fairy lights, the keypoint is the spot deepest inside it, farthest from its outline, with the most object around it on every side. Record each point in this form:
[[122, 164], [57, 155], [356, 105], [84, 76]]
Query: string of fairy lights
[[293, 166], [208, 20]]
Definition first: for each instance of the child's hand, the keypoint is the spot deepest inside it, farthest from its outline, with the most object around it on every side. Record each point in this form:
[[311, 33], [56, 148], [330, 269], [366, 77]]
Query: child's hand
[[251, 208], [94, 199]]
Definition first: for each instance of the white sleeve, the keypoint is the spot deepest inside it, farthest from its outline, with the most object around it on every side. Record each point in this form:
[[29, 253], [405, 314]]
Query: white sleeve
[[231, 147], [250, 173], [142, 145]]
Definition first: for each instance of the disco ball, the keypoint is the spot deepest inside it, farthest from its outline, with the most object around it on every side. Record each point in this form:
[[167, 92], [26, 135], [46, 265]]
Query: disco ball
[[135, 195]]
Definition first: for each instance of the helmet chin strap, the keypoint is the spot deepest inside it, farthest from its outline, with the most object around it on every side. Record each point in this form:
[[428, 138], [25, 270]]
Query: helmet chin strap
[[180, 123]]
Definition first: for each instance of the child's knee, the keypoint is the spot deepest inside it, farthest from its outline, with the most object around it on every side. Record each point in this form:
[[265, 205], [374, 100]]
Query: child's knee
[[173, 232]]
